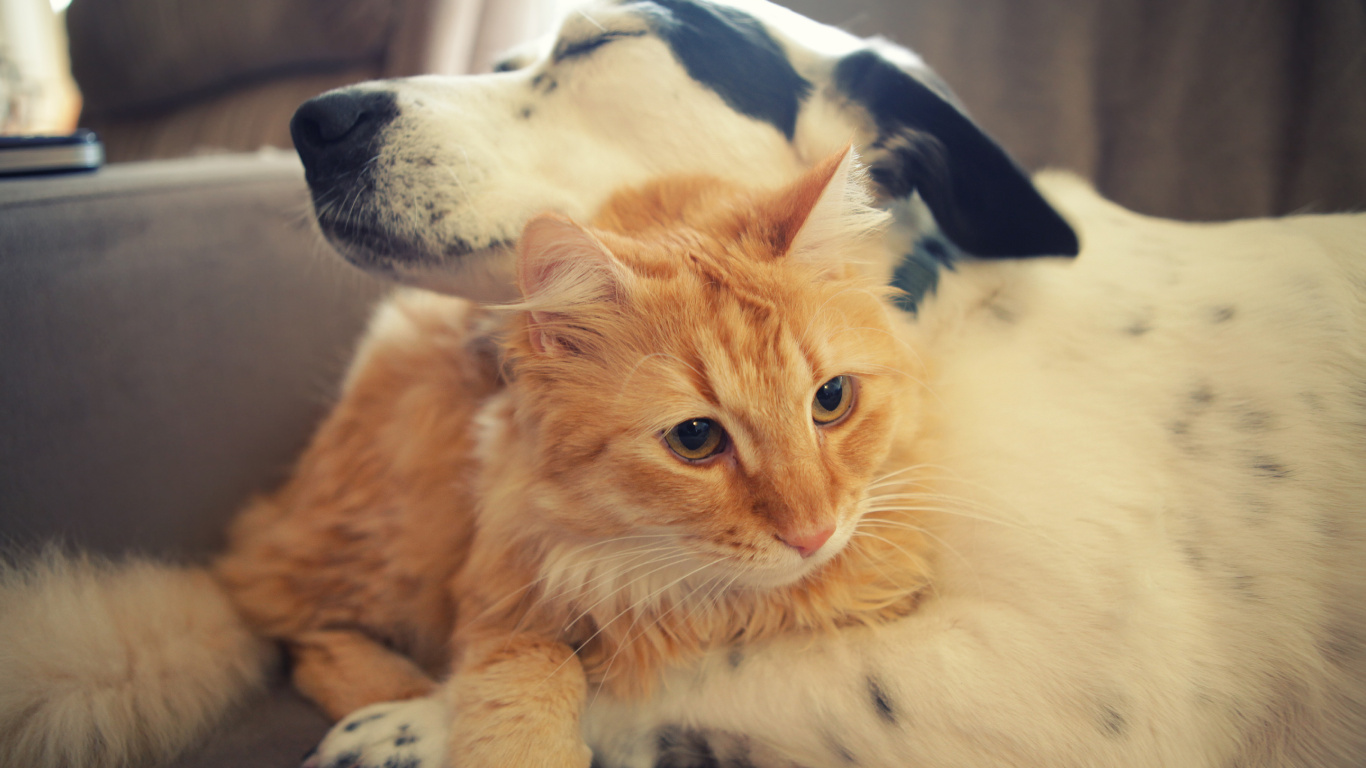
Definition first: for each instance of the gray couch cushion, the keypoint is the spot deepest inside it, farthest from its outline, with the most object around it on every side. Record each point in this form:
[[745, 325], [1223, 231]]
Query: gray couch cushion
[[169, 335], [274, 731]]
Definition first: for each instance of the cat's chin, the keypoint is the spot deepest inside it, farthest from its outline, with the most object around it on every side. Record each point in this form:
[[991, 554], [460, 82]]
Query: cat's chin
[[784, 575]]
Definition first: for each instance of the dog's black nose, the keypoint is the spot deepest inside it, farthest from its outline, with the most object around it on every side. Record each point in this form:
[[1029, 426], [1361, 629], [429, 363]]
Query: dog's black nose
[[335, 132]]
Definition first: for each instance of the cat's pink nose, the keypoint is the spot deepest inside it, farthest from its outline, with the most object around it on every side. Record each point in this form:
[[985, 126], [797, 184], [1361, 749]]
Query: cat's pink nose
[[807, 542]]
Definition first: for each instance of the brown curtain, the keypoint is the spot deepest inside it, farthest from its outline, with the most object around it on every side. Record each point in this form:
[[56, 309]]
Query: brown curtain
[[1195, 109]]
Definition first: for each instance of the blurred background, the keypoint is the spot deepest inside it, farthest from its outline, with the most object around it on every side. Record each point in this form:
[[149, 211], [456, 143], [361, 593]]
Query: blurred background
[[1197, 109]]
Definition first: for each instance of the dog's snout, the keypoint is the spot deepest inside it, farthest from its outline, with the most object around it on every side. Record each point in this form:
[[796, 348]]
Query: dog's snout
[[335, 132]]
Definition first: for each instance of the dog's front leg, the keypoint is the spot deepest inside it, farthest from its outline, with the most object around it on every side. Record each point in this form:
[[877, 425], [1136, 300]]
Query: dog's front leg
[[515, 700]]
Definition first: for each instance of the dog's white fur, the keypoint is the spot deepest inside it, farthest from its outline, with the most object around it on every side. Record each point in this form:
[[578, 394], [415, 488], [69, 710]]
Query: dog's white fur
[[1155, 456]]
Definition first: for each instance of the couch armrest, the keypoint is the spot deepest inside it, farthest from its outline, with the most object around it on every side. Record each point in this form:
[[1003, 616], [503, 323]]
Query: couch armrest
[[170, 333]]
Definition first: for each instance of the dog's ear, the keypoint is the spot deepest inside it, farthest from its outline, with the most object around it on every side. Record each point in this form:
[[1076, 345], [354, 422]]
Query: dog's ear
[[981, 199]]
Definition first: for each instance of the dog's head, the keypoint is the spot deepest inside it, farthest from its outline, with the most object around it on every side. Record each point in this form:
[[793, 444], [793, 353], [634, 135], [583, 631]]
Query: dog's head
[[429, 180]]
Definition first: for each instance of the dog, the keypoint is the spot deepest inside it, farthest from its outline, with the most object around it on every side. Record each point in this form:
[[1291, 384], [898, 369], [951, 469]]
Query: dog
[[1152, 530]]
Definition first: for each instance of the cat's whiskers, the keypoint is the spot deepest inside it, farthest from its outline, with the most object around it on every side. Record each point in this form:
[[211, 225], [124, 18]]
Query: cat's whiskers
[[627, 640], [637, 610], [602, 626], [888, 478], [565, 586], [955, 507], [878, 522], [715, 594], [583, 587], [617, 592], [875, 563], [946, 502], [525, 588]]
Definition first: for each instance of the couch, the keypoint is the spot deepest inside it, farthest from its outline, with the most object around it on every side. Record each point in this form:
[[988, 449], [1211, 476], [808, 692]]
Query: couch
[[171, 331]]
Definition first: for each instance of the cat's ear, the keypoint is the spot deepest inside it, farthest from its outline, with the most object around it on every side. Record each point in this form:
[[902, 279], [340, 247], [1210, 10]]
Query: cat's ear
[[562, 267], [831, 210]]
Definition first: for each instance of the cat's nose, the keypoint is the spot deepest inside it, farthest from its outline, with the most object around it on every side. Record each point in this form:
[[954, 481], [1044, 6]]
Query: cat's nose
[[808, 541]]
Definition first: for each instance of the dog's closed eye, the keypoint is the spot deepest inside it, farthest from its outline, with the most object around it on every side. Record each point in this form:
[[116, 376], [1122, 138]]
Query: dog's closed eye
[[567, 50]]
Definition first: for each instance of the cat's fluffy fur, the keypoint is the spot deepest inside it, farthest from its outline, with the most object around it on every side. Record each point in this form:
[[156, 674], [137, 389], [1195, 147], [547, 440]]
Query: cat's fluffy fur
[[598, 557], [92, 655]]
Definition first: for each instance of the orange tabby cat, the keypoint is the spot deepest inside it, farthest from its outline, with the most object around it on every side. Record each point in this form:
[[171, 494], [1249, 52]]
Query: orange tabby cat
[[672, 448]]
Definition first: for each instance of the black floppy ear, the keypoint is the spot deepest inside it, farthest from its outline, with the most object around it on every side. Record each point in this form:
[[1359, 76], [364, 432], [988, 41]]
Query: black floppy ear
[[981, 199]]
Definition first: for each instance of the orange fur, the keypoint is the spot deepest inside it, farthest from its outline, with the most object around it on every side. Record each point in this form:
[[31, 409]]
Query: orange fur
[[682, 303], [376, 518]]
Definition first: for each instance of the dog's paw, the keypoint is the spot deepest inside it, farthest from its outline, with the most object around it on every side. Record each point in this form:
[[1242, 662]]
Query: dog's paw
[[394, 734]]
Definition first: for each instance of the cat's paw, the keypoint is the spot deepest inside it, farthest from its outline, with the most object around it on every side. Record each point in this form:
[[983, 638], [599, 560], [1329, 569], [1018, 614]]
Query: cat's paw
[[410, 734]]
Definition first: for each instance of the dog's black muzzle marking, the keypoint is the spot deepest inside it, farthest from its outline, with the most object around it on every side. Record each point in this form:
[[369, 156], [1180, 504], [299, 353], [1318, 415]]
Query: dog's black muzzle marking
[[335, 134]]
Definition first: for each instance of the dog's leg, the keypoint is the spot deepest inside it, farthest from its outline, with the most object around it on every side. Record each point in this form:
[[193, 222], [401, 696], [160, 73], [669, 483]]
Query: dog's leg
[[343, 670]]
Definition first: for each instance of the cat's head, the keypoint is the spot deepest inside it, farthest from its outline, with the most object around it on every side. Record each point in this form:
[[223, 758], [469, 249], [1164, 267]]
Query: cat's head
[[708, 376]]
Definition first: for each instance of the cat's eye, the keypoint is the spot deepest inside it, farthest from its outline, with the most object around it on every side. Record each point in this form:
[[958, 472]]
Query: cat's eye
[[696, 439], [833, 400]]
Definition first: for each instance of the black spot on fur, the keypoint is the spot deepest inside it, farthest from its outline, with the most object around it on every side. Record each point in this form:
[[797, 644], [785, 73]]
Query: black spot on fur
[[1245, 585], [1219, 315], [980, 198], [1342, 645], [918, 273], [1267, 466], [681, 748], [1195, 557], [354, 724], [405, 740], [1202, 396], [1312, 401], [731, 53], [402, 762], [1140, 327], [1256, 421], [1112, 722], [526, 113], [882, 703], [1001, 313], [512, 63], [840, 751], [735, 658], [345, 760]]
